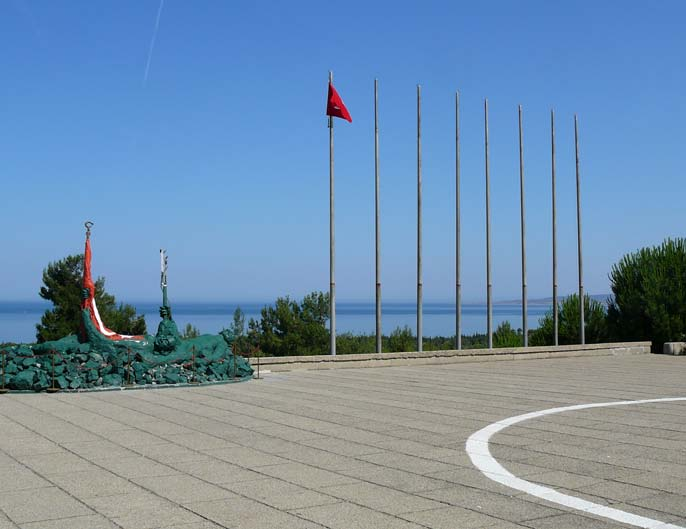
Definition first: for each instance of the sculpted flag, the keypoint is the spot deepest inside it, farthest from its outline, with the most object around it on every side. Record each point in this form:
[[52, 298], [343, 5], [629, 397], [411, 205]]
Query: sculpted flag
[[89, 302], [335, 106]]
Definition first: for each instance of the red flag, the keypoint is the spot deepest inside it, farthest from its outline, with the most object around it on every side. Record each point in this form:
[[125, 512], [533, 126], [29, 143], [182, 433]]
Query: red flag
[[335, 106]]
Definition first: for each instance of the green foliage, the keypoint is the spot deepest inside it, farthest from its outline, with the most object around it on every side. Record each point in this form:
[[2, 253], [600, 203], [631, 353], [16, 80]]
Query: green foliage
[[595, 323], [62, 285], [190, 331], [402, 339], [649, 301], [506, 336], [238, 324], [292, 328], [243, 344]]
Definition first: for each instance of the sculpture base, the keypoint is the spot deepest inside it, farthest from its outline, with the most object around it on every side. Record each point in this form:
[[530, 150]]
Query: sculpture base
[[52, 390], [3, 391]]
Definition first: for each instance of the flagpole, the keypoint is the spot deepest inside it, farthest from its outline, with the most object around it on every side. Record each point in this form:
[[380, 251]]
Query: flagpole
[[377, 225], [525, 327], [552, 144], [332, 240], [489, 317], [458, 285], [419, 219], [582, 331]]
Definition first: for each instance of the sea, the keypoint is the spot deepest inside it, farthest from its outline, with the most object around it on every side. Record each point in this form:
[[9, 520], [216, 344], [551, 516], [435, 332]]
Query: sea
[[18, 319]]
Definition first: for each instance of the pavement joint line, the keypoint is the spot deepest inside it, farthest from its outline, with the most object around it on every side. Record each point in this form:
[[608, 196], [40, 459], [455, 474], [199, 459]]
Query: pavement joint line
[[321, 491], [393, 394], [45, 478], [55, 413], [374, 446], [383, 467], [478, 450], [111, 472]]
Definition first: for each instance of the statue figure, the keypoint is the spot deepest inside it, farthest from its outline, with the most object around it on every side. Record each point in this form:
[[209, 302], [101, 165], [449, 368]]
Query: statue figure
[[103, 357]]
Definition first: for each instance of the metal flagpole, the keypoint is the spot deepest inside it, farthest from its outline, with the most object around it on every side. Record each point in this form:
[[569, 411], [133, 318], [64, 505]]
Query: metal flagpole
[[582, 333], [332, 239], [458, 285], [488, 233], [525, 327], [552, 144], [419, 218], [376, 200]]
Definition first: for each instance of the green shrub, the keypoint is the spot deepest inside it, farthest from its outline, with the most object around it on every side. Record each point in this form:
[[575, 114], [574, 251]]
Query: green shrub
[[595, 323], [649, 295], [402, 339], [506, 336], [292, 328]]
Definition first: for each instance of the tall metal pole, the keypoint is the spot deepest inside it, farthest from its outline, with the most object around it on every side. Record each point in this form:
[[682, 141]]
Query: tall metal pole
[[332, 240], [419, 219], [525, 327], [489, 301], [458, 284], [555, 311], [378, 229], [582, 333]]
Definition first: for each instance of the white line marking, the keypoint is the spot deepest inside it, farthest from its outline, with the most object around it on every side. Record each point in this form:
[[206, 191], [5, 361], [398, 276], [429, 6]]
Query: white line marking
[[479, 453]]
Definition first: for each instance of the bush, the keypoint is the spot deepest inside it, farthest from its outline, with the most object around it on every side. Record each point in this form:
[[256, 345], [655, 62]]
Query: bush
[[649, 288], [290, 328], [506, 336], [595, 323], [402, 340]]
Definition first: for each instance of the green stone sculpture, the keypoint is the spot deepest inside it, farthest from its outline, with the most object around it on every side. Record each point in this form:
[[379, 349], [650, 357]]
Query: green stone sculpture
[[101, 358]]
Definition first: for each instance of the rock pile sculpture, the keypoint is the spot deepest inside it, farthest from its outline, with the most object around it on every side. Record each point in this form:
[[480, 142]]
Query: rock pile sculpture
[[101, 358]]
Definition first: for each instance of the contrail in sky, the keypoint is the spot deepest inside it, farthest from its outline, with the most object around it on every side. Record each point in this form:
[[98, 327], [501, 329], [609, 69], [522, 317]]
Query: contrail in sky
[[152, 43]]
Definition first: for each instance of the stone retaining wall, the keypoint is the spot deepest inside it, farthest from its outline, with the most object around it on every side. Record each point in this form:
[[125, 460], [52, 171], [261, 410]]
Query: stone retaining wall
[[291, 363]]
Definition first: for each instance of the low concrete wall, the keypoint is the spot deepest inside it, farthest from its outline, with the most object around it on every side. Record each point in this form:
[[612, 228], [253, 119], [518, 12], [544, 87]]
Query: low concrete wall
[[291, 363]]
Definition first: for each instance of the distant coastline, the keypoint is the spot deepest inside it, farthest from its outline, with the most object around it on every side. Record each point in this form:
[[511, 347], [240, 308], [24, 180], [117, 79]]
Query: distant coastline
[[18, 318]]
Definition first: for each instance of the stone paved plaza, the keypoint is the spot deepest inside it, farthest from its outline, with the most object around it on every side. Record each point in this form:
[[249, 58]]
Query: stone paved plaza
[[351, 448]]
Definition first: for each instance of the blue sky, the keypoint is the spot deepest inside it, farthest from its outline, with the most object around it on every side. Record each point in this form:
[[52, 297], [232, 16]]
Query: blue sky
[[222, 155]]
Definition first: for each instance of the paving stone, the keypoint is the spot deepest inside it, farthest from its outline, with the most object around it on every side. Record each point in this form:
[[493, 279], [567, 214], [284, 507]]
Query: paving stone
[[33, 505], [135, 467], [95, 521], [246, 457], [349, 516], [302, 474], [89, 484], [120, 505], [154, 518], [510, 508], [451, 518], [59, 463], [249, 514], [216, 471], [618, 491], [573, 521], [183, 489], [381, 498], [665, 502], [282, 495], [396, 479], [347, 448], [20, 478]]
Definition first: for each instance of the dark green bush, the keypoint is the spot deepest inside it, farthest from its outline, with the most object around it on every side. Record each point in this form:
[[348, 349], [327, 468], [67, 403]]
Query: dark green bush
[[649, 295], [595, 323], [506, 336]]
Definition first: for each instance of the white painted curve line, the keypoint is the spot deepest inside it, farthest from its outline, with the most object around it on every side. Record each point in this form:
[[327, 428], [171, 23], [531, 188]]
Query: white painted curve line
[[480, 454]]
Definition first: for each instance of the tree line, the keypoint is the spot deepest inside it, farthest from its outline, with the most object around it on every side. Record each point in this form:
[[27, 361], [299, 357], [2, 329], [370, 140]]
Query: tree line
[[648, 303]]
